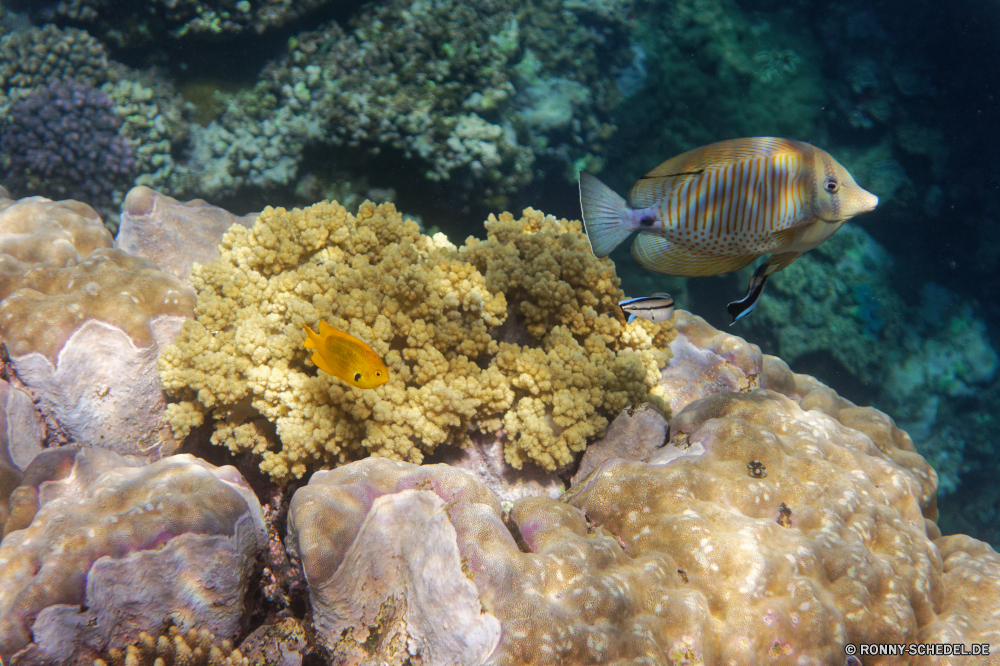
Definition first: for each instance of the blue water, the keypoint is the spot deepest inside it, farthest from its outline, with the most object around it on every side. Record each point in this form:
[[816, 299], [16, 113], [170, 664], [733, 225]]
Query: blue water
[[462, 109]]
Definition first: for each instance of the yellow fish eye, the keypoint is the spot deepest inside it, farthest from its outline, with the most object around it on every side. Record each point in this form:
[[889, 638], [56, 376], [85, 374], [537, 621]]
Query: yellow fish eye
[[832, 186]]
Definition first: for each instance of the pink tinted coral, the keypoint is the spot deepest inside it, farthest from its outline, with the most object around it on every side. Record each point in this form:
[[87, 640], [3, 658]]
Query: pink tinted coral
[[139, 545]]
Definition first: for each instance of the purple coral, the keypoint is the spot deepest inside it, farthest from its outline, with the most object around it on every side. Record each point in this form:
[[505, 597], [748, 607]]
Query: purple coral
[[62, 141]]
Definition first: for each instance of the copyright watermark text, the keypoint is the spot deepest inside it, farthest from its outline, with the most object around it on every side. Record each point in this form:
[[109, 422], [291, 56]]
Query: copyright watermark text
[[917, 649]]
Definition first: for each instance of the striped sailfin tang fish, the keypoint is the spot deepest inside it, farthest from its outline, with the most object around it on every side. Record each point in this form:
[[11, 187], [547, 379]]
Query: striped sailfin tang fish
[[718, 208]]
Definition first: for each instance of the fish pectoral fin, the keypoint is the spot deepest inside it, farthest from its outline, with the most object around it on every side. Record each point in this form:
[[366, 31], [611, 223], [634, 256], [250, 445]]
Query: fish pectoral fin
[[785, 237], [323, 365], [655, 253]]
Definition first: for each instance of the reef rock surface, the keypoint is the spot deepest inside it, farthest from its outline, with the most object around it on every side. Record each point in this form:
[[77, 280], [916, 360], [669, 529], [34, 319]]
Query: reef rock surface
[[778, 523], [117, 547]]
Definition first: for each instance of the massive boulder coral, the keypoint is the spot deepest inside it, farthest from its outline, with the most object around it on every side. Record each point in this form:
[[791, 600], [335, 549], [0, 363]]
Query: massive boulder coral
[[777, 524], [560, 365], [172, 234], [118, 547], [83, 322]]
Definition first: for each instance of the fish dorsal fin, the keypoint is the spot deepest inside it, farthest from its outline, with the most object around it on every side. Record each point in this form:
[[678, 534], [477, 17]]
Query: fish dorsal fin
[[655, 253], [674, 173]]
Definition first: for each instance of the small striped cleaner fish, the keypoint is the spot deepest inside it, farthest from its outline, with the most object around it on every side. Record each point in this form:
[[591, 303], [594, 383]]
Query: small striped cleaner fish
[[656, 308], [718, 208]]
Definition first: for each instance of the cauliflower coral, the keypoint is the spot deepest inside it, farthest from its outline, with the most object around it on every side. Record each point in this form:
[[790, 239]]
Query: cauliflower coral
[[518, 334]]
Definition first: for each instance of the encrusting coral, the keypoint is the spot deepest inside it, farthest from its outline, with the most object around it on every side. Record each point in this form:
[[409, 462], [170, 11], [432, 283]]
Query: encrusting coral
[[519, 332]]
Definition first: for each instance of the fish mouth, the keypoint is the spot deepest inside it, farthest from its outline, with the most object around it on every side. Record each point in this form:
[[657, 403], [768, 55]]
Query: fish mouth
[[867, 201]]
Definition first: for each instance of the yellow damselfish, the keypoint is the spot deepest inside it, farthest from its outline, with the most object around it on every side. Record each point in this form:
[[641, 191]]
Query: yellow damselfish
[[345, 357]]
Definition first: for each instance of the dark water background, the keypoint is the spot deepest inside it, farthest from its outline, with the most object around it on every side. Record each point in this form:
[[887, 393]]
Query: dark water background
[[905, 94]]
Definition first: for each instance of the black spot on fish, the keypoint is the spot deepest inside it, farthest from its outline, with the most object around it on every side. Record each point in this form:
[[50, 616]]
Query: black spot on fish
[[647, 221], [357, 376]]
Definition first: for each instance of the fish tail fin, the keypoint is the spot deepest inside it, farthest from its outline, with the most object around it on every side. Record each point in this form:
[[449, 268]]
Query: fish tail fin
[[310, 342], [604, 215]]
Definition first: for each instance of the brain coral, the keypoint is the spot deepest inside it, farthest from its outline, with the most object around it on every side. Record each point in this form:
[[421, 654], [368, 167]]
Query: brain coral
[[776, 525], [519, 332]]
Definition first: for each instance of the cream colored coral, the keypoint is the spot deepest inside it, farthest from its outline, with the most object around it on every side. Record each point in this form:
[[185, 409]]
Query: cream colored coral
[[195, 648], [44, 305], [373, 276], [53, 233], [433, 312]]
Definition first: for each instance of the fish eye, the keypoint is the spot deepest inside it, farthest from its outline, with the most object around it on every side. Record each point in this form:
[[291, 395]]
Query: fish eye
[[832, 186], [378, 373]]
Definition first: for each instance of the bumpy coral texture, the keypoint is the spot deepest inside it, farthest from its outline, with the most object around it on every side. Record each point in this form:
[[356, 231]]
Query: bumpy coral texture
[[782, 524], [126, 25], [42, 306], [32, 57], [105, 510], [154, 120], [696, 560], [53, 233], [63, 141], [432, 314], [474, 93], [195, 648]]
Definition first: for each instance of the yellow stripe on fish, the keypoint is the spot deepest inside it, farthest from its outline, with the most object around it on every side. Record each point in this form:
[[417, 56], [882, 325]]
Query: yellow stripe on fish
[[346, 357], [717, 208]]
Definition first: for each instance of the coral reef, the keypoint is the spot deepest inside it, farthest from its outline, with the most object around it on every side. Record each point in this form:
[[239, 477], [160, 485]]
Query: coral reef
[[126, 26], [474, 93], [53, 233], [838, 300], [33, 57], [394, 563], [561, 365], [718, 72], [780, 521], [171, 234], [63, 141], [152, 120], [83, 322], [840, 303], [139, 546], [281, 643], [51, 464], [971, 600], [21, 436]]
